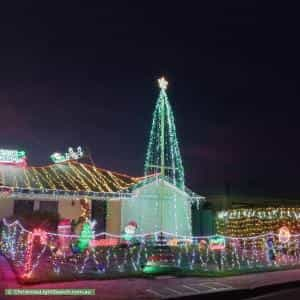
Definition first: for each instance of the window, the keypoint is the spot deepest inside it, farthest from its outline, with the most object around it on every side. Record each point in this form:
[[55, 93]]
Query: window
[[23, 206], [99, 214], [49, 206]]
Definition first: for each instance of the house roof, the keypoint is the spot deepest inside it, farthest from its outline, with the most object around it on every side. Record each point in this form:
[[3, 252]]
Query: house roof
[[67, 176]]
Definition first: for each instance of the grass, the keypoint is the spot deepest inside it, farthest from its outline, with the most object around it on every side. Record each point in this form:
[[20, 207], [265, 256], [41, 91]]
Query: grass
[[44, 273], [52, 277]]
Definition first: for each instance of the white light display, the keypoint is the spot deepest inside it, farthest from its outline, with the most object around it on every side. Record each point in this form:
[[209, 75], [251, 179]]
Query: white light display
[[70, 155], [35, 253], [12, 157]]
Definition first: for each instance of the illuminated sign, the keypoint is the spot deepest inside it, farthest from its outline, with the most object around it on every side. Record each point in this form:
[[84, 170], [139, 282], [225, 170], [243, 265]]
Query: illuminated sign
[[104, 242], [13, 157], [217, 243], [70, 155]]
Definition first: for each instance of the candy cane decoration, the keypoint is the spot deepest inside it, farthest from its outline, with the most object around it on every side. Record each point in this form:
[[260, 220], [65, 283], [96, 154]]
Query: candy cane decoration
[[37, 233]]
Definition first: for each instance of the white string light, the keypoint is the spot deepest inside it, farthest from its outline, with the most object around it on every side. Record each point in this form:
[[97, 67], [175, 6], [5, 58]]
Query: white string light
[[182, 237]]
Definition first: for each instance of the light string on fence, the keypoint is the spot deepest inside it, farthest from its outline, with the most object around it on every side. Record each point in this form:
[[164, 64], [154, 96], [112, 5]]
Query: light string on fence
[[143, 235]]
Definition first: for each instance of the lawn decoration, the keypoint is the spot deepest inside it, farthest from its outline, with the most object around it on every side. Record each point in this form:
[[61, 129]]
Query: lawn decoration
[[130, 230], [75, 249], [173, 242], [86, 235], [217, 243], [202, 244], [270, 251], [162, 261], [64, 229], [284, 235], [34, 253], [39, 234]]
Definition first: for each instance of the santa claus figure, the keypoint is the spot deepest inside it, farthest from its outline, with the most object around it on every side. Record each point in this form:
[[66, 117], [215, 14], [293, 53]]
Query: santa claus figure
[[64, 231], [130, 230]]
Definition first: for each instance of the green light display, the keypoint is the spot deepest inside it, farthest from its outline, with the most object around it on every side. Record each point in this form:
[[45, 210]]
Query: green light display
[[70, 155], [86, 236], [12, 156], [163, 155]]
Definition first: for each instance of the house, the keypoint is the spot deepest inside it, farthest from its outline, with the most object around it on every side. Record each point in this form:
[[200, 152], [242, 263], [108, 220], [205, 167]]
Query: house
[[73, 189], [159, 201], [69, 188]]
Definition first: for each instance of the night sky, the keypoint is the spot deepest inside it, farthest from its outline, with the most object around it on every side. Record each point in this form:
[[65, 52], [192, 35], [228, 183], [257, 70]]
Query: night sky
[[84, 73]]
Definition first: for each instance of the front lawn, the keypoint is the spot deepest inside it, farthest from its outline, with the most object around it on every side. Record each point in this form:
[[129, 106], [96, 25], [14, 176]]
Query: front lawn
[[69, 276]]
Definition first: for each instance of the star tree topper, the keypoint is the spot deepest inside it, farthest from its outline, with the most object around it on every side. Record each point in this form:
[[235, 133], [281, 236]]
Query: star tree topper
[[163, 83]]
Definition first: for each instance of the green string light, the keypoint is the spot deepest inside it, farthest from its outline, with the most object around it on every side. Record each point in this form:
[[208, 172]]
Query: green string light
[[163, 155]]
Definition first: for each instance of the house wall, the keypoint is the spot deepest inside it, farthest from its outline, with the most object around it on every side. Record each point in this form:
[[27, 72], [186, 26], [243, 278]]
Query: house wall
[[113, 217], [158, 206], [68, 210], [6, 207], [65, 207]]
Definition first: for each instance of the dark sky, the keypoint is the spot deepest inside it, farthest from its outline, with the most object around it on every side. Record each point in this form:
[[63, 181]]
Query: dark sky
[[84, 73]]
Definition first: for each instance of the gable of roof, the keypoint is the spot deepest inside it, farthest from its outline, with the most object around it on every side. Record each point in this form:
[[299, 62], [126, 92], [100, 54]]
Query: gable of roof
[[151, 179]]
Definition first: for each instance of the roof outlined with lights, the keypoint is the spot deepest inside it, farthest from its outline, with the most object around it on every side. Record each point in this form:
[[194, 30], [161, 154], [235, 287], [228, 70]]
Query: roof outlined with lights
[[68, 176]]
